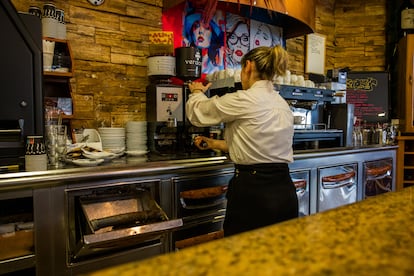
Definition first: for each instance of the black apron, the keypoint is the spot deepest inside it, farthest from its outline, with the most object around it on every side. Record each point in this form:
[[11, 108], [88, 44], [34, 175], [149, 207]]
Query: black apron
[[259, 195]]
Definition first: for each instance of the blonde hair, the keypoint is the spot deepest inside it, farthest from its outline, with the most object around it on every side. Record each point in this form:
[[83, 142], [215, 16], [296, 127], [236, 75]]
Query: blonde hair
[[269, 61]]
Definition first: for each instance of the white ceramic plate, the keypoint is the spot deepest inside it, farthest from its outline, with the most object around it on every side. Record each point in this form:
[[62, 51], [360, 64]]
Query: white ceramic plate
[[87, 162], [98, 154], [137, 152]]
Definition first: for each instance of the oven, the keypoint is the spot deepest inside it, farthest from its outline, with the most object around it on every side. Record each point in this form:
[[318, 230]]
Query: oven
[[377, 177], [337, 186], [200, 200], [122, 217]]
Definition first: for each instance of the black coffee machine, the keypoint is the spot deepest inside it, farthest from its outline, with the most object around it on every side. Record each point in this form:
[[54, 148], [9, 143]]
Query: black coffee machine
[[170, 134]]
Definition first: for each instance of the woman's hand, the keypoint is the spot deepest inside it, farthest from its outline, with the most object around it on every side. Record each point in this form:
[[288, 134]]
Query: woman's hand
[[198, 87], [205, 143], [202, 142]]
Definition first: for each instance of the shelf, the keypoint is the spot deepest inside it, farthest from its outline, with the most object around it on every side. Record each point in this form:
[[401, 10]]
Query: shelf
[[16, 264], [405, 161], [62, 48], [56, 83], [58, 74]]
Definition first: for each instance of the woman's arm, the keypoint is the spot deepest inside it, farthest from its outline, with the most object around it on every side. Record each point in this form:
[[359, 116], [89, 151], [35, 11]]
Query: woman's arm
[[205, 143]]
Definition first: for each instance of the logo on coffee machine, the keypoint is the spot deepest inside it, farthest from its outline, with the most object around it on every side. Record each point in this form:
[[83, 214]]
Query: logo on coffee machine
[[196, 61], [193, 62], [197, 55]]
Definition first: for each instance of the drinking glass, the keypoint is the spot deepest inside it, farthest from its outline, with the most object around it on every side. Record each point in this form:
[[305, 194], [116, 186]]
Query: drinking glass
[[56, 144]]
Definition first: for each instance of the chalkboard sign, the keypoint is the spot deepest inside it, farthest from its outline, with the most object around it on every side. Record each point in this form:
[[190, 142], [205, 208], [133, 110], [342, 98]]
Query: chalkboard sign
[[368, 91]]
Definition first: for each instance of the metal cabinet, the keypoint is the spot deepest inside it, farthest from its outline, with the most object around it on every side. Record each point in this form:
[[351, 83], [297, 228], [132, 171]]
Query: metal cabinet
[[336, 178]]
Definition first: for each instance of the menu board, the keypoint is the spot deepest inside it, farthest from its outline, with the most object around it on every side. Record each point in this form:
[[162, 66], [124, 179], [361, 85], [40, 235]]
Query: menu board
[[368, 91]]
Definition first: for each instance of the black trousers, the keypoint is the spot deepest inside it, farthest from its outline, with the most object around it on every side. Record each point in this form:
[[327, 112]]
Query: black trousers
[[259, 195]]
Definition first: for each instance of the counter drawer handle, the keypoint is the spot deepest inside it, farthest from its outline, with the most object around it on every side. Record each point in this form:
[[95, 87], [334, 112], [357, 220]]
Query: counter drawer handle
[[199, 239], [334, 185], [202, 206], [381, 171], [339, 177], [204, 193], [10, 131], [300, 184]]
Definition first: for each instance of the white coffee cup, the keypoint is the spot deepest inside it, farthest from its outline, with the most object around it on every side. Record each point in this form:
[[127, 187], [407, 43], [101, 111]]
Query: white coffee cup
[[47, 61]]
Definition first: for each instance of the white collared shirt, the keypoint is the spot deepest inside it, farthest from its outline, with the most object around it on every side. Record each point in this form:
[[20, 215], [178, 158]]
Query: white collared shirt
[[259, 122]]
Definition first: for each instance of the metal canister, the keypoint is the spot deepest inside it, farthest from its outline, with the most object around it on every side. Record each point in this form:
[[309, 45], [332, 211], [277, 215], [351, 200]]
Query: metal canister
[[35, 156]]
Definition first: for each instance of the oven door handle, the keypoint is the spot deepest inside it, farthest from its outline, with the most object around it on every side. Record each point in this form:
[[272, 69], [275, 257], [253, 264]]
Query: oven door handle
[[204, 193], [202, 206], [108, 239]]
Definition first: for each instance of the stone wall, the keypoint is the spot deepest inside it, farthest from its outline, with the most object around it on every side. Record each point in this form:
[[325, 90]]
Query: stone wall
[[110, 46], [355, 36]]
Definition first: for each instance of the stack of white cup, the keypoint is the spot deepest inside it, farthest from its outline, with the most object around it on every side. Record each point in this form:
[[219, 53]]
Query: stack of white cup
[[53, 22], [48, 53]]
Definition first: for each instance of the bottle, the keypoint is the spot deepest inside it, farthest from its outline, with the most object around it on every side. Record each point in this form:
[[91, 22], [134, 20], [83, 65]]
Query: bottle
[[407, 17], [357, 134]]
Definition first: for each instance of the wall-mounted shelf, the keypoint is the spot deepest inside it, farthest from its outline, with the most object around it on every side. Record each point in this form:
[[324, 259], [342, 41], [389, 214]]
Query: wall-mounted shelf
[[56, 83]]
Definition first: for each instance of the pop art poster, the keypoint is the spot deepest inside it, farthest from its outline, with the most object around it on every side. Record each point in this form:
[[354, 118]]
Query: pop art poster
[[206, 32], [237, 40], [262, 34]]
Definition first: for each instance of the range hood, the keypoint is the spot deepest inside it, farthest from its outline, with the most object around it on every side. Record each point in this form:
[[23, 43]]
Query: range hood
[[297, 17]]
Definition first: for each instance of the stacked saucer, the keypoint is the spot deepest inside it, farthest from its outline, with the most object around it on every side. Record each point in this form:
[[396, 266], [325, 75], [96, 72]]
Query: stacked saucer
[[136, 138], [113, 139]]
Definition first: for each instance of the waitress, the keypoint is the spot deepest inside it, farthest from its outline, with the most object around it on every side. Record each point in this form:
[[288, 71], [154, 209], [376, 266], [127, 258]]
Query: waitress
[[258, 138]]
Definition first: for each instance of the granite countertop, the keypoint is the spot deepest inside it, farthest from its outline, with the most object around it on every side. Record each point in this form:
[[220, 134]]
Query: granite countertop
[[372, 237]]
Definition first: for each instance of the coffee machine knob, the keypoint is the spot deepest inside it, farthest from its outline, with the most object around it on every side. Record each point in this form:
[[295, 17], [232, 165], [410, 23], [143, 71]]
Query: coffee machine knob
[[23, 104]]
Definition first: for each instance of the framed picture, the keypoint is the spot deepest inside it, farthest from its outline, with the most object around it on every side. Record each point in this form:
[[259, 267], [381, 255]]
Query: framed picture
[[315, 54]]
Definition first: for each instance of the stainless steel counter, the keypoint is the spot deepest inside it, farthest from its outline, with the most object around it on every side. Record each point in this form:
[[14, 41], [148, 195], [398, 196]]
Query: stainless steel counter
[[129, 165], [51, 190]]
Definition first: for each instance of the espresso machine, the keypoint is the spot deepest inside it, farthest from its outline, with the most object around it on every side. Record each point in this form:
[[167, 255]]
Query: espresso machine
[[312, 123], [164, 115]]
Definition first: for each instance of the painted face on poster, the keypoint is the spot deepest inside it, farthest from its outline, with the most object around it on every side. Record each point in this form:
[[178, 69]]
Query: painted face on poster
[[209, 37], [263, 34], [238, 40]]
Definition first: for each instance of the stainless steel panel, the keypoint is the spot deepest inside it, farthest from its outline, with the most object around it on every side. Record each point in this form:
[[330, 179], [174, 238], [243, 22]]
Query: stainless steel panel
[[337, 186], [301, 181]]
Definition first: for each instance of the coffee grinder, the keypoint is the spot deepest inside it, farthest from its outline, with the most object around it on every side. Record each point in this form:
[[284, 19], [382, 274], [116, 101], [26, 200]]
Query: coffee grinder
[[188, 68]]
